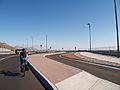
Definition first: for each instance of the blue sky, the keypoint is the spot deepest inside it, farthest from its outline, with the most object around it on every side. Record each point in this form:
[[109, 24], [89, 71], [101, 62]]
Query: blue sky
[[64, 21]]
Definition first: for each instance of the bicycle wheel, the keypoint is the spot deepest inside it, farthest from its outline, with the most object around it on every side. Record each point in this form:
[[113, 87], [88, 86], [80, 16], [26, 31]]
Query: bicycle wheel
[[23, 69]]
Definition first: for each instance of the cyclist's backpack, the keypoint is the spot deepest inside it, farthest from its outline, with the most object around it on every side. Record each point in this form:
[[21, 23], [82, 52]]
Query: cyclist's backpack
[[24, 54]]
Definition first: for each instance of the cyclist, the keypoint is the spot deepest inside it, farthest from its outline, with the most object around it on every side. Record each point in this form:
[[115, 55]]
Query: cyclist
[[23, 59]]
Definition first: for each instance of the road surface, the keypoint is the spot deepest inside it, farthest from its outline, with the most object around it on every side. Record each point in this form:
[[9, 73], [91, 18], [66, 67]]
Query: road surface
[[106, 73], [11, 78], [4, 55]]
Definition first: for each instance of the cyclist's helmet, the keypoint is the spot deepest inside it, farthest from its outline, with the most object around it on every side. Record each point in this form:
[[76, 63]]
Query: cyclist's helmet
[[23, 49]]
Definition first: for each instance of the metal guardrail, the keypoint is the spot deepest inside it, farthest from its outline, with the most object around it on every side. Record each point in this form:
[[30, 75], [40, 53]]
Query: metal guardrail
[[101, 48], [111, 50], [106, 48]]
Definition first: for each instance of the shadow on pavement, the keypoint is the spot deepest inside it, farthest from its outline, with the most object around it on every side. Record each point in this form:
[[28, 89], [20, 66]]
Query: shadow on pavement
[[9, 73]]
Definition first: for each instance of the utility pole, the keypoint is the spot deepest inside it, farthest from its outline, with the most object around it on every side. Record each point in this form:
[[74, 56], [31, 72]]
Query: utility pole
[[89, 35], [117, 29], [46, 43], [32, 43], [27, 44]]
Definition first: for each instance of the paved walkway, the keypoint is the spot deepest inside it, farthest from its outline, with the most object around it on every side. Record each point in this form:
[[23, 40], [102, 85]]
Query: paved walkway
[[101, 57], [53, 70], [66, 77]]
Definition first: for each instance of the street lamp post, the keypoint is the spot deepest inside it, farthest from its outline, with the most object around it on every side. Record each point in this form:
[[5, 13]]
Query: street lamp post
[[89, 35], [117, 29]]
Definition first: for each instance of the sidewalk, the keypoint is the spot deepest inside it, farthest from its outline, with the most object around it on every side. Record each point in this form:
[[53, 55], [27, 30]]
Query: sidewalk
[[53, 70], [101, 57], [97, 58], [66, 77]]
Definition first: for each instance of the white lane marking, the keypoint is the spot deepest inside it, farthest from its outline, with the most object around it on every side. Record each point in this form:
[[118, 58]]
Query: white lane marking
[[7, 57]]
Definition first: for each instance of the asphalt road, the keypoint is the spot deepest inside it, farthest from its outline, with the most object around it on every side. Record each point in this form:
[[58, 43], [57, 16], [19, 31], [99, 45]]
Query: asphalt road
[[4, 55], [106, 73], [11, 78]]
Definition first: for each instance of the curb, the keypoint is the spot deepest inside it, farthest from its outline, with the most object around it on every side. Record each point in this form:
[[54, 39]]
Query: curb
[[42, 79], [52, 54]]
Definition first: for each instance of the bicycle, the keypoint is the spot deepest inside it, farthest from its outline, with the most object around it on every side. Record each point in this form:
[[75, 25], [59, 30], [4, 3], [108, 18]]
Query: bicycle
[[23, 66]]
